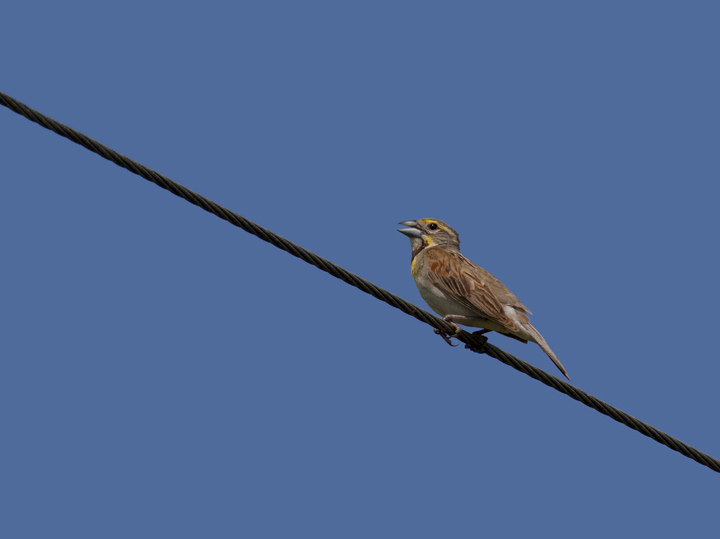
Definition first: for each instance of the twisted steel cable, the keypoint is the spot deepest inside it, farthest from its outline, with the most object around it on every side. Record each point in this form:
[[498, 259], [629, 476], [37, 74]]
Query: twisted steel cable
[[476, 343]]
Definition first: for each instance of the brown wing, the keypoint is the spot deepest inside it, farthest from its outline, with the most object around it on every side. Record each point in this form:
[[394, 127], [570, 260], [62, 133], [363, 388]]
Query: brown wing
[[473, 287]]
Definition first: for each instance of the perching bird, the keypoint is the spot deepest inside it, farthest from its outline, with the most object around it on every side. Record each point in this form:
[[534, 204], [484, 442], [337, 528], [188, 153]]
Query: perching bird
[[462, 292]]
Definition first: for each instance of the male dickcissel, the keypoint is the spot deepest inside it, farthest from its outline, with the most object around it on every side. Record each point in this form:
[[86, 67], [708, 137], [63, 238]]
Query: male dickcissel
[[462, 292]]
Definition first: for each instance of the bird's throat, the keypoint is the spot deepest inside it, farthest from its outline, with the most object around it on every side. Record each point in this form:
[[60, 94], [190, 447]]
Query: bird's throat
[[416, 251]]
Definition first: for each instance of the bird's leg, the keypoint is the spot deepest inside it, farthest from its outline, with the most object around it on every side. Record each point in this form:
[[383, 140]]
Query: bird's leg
[[452, 318]]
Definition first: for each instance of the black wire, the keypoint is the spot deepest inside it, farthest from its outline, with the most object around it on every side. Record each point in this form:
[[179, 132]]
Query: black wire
[[474, 342]]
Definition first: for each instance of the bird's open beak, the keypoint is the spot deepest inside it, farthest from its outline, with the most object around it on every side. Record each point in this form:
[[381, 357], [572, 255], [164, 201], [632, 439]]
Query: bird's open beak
[[410, 232]]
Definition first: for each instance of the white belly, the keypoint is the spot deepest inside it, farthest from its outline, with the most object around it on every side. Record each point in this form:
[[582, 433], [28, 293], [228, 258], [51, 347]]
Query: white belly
[[444, 306]]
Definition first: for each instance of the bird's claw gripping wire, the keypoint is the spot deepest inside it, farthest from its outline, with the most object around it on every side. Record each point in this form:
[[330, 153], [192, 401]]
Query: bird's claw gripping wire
[[447, 338], [458, 330], [480, 335]]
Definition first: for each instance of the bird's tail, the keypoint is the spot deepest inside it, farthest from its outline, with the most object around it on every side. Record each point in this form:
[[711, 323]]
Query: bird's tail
[[535, 334]]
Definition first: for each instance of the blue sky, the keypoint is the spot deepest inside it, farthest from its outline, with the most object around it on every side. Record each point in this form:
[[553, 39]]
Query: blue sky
[[165, 374]]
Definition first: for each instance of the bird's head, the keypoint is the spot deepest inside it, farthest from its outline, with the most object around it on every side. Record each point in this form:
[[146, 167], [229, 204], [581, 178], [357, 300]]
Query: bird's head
[[428, 233]]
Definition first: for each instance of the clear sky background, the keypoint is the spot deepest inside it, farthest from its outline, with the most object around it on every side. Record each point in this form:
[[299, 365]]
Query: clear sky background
[[164, 374]]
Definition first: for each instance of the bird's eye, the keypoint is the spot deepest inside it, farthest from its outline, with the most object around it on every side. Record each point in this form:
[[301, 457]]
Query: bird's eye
[[433, 226]]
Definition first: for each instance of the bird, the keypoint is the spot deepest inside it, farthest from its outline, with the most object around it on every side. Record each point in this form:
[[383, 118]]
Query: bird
[[461, 291]]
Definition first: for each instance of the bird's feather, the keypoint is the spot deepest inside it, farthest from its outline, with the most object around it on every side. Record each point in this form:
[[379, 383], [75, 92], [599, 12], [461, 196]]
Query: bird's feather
[[473, 287]]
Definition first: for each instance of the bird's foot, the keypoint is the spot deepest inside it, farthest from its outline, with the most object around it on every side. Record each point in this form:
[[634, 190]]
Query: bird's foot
[[480, 335], [450, 319], [447, 338]]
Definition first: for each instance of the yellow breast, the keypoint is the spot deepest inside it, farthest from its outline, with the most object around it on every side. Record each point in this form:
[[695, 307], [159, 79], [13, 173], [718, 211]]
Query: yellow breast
[[417, 263]]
